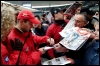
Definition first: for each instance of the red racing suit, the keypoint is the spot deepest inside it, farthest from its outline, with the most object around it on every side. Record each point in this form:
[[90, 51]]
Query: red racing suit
[[30, 55]]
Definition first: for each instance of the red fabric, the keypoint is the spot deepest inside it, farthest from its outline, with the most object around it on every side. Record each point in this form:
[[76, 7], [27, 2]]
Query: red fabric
[[29, 55], [51, 53], [53, 31], [12, 58], [66, 20]]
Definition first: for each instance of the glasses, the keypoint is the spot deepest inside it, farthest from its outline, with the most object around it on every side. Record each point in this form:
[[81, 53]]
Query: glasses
[[78, 21]]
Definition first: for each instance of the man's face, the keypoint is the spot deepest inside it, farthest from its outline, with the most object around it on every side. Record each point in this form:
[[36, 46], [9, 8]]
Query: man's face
[[79, 21], [36, 25], [59, 16], [26, 26]]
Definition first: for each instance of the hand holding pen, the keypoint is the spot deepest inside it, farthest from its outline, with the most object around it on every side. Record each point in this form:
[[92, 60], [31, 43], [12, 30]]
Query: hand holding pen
[[51, 41]]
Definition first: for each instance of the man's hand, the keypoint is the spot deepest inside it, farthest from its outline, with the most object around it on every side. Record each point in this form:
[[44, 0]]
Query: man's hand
[[42, 50], [72, 61], [59, 48], [51, 41], [16, 44], [89, 31]]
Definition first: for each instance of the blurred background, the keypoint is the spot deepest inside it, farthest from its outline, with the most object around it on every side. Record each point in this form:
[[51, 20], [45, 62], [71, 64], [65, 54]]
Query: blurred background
[[43, 7]]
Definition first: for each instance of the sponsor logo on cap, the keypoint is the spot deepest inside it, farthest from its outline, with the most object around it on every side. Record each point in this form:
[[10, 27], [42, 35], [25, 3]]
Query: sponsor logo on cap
[[24, 14]]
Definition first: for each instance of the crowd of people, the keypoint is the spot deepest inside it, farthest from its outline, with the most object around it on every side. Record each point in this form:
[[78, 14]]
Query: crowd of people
[[24, 36]]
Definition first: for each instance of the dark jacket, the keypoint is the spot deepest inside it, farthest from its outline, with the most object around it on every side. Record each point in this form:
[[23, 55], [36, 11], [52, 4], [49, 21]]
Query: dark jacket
[[91, 56], [40, 32]]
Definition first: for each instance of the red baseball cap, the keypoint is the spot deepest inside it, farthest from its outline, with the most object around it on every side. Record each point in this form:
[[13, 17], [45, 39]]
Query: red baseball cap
[[26, 14]]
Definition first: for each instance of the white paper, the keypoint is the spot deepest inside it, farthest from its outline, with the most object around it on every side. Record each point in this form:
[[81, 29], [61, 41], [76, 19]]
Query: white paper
[[49, 16], [47, 48], [70, 25], [57, 61]]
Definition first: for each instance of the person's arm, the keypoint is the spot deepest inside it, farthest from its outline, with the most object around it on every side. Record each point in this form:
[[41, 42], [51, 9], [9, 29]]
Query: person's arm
[[34, 58], [59, 48], [8, 59], [43, 39], [40, 39]]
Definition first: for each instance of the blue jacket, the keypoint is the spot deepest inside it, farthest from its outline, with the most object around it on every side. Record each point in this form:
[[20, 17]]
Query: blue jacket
[[91, 56], [41, 32]]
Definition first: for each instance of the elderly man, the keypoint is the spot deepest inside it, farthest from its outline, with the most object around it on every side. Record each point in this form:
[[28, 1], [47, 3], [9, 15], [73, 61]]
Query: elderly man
[[81, 22]]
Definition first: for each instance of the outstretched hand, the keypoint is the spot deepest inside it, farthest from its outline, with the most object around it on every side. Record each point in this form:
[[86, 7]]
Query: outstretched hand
[[59, 48], [51, 41], [71, 60]]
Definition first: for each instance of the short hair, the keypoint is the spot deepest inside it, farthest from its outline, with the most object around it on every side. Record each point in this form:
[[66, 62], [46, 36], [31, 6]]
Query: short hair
[[37, 17], [43, 15], [85, 16], [78, 4], [88, 11], [7, 20]]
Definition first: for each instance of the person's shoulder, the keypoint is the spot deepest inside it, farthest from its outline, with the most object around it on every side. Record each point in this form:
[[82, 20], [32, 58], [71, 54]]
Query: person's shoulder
[[14, 32], [52, 25]]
